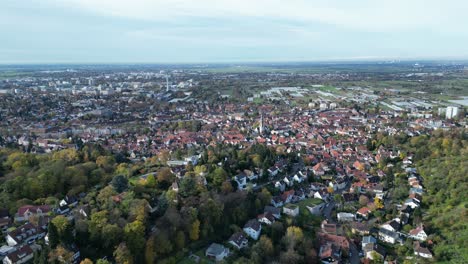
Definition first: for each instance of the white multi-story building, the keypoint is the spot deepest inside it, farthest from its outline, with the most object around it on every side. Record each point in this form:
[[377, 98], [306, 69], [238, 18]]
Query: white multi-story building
[[451, 112]]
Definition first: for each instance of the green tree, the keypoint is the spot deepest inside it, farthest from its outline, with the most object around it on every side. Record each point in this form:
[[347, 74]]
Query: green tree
[[194, 233], [120, 183], [53, 235], [135, 237], [123, 255]]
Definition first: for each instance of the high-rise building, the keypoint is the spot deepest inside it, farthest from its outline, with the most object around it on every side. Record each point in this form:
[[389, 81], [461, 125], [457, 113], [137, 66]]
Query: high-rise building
[[451, 112]]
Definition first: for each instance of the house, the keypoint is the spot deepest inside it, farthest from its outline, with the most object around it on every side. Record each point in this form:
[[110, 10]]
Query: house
[[291, 210], [287, 196], [349, 198], [253, 228], [345, 217], [22, 255], [273, 171], [217, 252], [84, 210], [69, 200], [364, 212], [276, 201], [5, 220], [374, 250], [25, 212], [361, 228], [276, 212], [62, 210], [266, 218], [175, 186], [389, 236], [330, 253], [5, 250], [329, 228], [418, 233], [297, 178], [280, 186], [250, 175], [238, 240], [339, 241], [339, 184], [392, 225], [421, 251], [241, 180], [321, 194], [23, 234], [368, 240], [316, 210], [413, 203]]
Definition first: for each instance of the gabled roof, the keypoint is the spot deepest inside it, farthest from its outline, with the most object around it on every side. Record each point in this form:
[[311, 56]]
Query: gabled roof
[[237, 238], [253, 224]]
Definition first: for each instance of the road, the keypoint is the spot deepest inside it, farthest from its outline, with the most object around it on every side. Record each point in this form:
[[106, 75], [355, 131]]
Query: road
[[328, 210], [354, 258]]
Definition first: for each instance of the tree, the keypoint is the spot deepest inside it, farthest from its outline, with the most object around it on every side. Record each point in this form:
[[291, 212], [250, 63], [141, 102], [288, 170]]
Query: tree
[[290, 256], [53, 235], [363, 200], [111, 235], [165, 177], [194, 233], [180, 240], [120, 183], [218, 176], [150, 251], [262, 250], [61, 224], [96, 224], [151, 181], [123, 255], [226, 187], [135, 237], [164, 244], [188, 186], [294, 236], [61, 255], [378, 203], [86, 261]]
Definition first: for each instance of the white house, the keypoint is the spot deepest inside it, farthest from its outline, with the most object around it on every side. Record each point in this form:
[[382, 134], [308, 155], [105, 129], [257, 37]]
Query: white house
[[388, 236], [421, 251], [412, 203], [23, 234], [291, 210], [316, 210], [22, 255], [266, 218], [238, 240], [217, 252], [253, 228], [276, 212], [418, 233], [241, 180], [345, 217], [368, 240], [392, 225]]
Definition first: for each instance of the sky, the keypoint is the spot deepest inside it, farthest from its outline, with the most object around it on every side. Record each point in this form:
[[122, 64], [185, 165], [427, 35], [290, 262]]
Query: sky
[[198, 31]]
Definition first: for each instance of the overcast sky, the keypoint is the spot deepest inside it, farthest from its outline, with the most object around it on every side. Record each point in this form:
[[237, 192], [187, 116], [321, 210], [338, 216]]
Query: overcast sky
[[175, 31]]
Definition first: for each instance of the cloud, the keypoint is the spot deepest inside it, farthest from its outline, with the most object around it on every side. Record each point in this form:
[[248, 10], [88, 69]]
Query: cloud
[[365, 15]]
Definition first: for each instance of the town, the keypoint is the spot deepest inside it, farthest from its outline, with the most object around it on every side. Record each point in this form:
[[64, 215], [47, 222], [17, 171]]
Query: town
[[202, 165]]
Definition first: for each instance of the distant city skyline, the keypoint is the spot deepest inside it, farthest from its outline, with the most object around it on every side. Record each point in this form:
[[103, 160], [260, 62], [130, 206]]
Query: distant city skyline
[[222, 31]]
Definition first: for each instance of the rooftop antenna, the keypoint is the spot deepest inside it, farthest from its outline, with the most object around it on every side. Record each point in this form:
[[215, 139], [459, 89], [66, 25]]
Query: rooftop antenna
[[167, 83]]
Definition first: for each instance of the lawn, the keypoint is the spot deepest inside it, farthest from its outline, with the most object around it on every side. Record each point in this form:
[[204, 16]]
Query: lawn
[[309, 202], [201, 254]]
